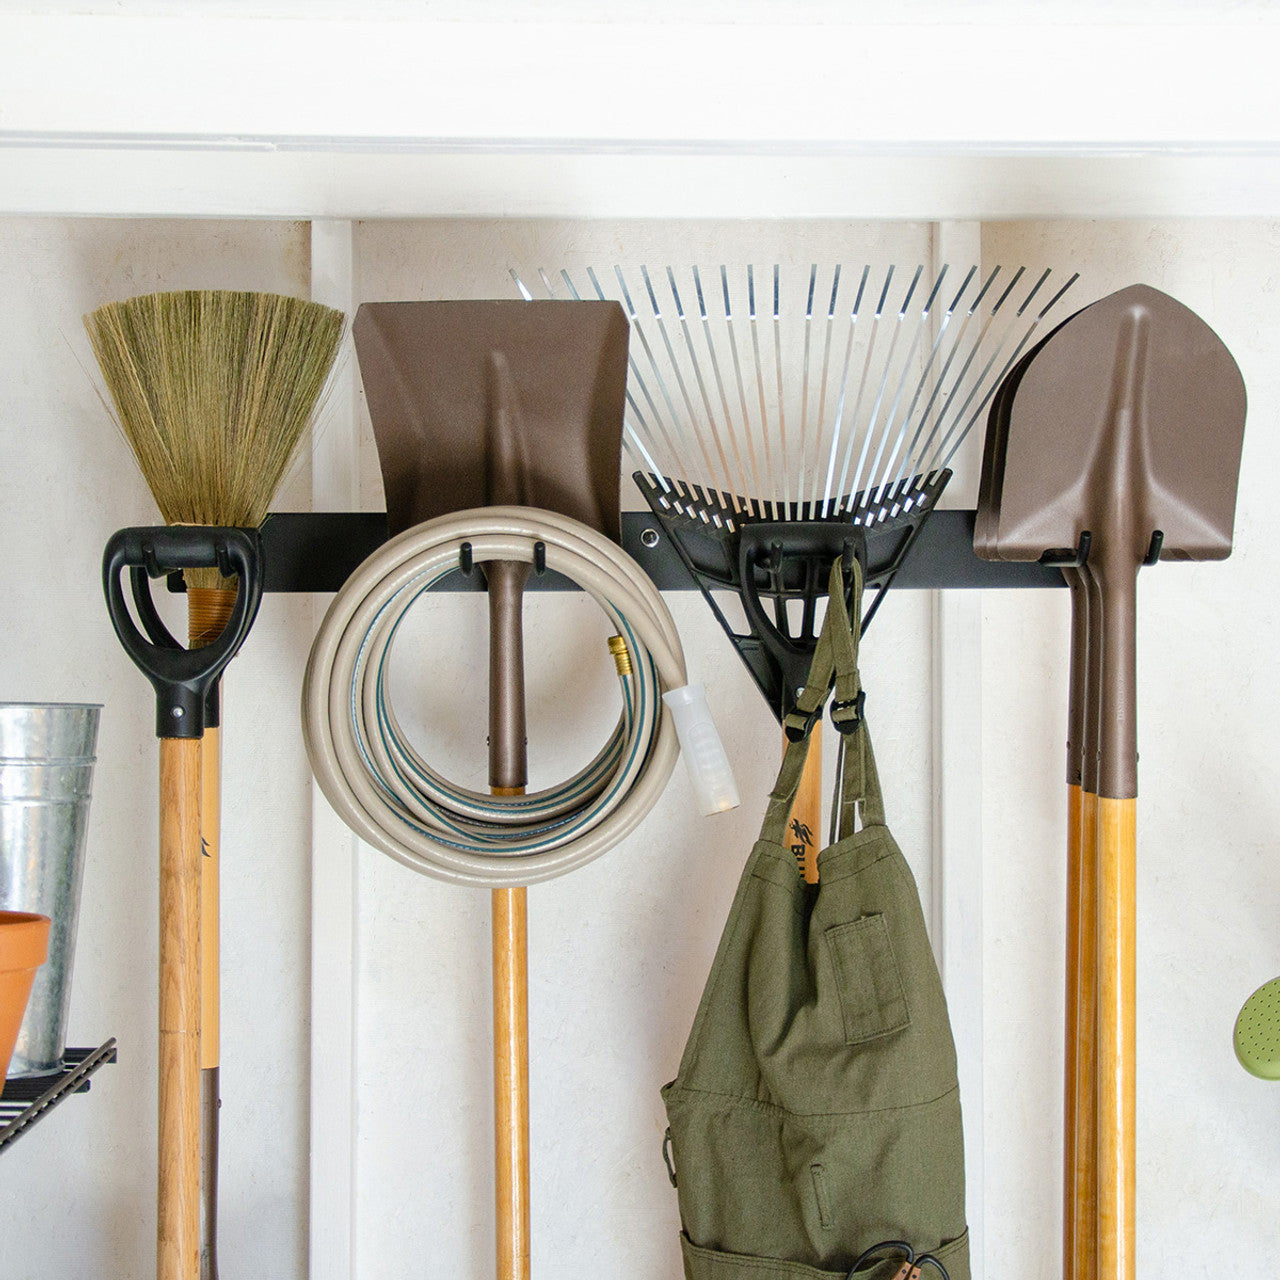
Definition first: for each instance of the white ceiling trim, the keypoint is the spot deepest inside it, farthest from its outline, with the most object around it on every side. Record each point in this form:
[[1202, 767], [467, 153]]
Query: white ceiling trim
[[279, 117]]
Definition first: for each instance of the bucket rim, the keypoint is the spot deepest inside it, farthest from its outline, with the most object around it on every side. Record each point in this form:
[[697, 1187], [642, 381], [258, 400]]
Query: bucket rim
[[70, 706]]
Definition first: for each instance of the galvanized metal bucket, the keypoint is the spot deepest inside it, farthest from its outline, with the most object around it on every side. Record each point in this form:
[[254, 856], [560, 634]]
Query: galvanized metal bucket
[[46, 776]]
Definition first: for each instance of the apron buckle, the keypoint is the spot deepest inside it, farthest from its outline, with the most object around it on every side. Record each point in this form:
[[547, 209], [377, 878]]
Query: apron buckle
[[840, 717], [799, 724]]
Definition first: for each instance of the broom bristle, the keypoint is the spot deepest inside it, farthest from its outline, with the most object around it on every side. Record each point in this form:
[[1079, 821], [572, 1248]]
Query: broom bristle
[[214, 391]]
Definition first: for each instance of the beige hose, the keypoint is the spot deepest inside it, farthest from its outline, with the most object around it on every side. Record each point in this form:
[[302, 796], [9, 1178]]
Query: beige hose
[[393, 800]]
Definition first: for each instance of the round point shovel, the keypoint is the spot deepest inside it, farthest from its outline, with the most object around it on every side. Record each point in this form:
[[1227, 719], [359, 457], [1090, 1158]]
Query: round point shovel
[[1121, 446]]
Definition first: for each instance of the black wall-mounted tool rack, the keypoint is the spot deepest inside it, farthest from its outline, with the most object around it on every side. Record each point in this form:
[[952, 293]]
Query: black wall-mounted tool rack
[[318, 551]]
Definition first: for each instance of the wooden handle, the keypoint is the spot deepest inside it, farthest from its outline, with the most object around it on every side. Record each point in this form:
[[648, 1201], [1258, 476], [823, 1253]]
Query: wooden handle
[[210, 854], [508, 770], [804, 831], [1071, 1037], [210, 995], [1117, 1030], [178, 1201], [511, 1080], [1081, 1142]]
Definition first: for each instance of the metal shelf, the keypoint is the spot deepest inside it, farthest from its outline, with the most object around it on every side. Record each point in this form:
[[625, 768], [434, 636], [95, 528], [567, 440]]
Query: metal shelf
[[25, 1101]]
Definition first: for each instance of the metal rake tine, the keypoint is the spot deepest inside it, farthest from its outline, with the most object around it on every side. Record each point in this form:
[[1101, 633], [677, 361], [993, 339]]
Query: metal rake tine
[[524, 292], [729, 487], [940, 407], [844, 386], [724, 399], [884, 380], [1012, 360], [822, 391], [636, 414], [679, 377], [631, 441], [841, 491], [758, 491], [804, 390], [638, 329], [770, 475], [874, 477], [924, 375], [980, 380], [782, 416]]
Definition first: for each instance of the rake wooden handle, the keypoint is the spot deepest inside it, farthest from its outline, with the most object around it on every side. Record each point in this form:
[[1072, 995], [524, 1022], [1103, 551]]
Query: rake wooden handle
[[804, 835], [209, 610], [178, 1197]]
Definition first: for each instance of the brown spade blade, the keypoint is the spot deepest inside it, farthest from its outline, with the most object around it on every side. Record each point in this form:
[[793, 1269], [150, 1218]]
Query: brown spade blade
[[475, 403], [1128, 426]]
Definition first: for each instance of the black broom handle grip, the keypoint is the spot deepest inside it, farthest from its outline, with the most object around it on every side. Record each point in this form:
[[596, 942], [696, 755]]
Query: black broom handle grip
[[182, 678]]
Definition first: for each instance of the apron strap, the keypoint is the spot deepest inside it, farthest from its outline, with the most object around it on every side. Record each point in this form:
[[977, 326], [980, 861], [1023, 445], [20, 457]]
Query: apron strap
[[835, 663]]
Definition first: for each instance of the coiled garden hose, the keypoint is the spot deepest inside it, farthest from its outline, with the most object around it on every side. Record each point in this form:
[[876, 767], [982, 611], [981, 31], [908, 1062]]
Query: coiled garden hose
[[395, 801]]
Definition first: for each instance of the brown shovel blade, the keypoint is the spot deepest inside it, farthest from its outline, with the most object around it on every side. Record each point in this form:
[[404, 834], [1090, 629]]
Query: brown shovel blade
[[476, 403], [1121, 441], [1129, 421]]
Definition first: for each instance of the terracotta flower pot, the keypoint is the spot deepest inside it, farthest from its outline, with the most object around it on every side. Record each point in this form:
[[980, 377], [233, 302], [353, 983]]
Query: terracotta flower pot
[[24, 944]]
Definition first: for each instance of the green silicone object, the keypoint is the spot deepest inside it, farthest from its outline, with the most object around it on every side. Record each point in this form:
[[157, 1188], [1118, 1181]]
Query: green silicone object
[[1258, 1032]]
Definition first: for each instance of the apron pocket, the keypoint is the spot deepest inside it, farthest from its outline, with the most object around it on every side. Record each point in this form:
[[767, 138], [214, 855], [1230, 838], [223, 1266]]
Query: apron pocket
[[872, 1000]]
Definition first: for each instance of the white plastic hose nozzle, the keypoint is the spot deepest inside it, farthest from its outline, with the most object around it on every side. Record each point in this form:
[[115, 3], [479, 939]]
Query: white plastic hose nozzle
[[702, 749]]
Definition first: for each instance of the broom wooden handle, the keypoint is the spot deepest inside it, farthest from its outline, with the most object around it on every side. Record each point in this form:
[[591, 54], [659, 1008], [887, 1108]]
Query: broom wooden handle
[[178, 1199]]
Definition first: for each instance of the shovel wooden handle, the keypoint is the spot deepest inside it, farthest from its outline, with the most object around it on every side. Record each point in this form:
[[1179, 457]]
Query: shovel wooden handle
[[1082, 1142], [178, 1201], [508, 774], [1117, 1031], [511, 1080]]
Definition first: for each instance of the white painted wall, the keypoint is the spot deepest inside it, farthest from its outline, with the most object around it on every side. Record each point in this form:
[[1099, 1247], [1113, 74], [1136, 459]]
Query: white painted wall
[[619, 950]]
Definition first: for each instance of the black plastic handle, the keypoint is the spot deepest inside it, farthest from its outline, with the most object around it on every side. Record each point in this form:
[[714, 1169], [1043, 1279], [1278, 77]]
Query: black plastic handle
[[794, 560], [184, 679]]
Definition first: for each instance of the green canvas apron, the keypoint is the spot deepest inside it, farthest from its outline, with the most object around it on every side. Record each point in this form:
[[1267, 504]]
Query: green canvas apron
[[816, 1113]]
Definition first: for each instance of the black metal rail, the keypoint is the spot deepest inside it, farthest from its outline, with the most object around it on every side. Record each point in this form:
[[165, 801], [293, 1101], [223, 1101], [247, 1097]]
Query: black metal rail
[[319, 551]]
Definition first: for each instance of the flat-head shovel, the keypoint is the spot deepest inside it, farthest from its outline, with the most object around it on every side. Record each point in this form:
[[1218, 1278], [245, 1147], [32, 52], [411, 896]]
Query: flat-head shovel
[[491, 403], [1121, 446]]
